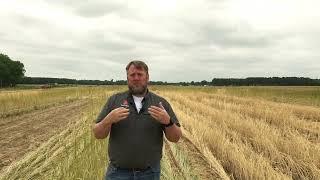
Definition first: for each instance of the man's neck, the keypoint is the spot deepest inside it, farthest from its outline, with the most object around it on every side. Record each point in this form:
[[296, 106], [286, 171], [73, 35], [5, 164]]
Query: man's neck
[[140, 95]]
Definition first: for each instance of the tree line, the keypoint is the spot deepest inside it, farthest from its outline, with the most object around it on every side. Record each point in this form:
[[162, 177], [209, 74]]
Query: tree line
[[252, 81], [12, 73]]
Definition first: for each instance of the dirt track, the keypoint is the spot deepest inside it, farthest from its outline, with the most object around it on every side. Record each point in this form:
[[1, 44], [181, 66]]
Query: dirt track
[[23, 133]]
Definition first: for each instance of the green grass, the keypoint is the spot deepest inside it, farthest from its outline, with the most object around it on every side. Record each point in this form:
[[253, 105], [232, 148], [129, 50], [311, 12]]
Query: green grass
[[302, 95]]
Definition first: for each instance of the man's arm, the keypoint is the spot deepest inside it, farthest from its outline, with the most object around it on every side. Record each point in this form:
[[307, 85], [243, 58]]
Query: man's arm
[[173, 133], [102, 129]]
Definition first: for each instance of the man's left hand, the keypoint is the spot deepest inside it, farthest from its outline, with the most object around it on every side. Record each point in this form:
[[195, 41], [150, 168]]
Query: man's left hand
[[159, 113]]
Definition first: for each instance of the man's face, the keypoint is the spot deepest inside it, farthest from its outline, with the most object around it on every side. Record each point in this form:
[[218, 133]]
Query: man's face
[[137, 80]]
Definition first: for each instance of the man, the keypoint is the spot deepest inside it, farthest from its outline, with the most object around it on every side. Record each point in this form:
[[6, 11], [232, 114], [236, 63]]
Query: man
[[136, 120]]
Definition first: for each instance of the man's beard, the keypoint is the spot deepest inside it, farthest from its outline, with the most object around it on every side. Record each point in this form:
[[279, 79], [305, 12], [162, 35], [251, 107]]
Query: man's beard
[[137, 90]]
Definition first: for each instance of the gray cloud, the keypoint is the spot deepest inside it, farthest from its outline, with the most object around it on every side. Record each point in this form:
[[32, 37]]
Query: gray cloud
[[98, 9], [186, 41], [93, 8]]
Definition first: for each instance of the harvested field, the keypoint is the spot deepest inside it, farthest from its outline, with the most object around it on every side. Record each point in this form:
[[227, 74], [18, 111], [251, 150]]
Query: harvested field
[[24, 133], [226, 134]]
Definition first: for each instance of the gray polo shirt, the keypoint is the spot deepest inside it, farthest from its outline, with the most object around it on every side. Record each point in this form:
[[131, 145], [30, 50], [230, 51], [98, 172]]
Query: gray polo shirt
[[136, 142]]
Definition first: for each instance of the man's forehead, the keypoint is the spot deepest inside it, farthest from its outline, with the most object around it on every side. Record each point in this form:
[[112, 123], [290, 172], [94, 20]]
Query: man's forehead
[[135, 69]]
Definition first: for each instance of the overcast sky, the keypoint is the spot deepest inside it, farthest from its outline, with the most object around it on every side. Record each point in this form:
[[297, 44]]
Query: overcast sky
[[189, 40]]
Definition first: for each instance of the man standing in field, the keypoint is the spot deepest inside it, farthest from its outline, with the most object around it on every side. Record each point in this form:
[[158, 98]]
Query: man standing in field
[[136, 120]]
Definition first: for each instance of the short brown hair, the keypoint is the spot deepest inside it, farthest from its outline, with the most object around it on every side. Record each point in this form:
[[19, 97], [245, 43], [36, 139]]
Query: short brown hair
[[138, 65]]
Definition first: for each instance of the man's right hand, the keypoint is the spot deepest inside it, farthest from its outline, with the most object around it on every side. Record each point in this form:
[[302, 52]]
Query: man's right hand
[[117, 115]]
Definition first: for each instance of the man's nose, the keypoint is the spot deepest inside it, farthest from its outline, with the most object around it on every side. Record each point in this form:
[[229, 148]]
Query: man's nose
[[135, 77]]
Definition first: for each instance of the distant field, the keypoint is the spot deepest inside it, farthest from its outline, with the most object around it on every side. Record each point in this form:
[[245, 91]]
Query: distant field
[[229, 133]]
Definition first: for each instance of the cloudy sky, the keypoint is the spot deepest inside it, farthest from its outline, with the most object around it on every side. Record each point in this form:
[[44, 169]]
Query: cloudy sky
[[189, 40]]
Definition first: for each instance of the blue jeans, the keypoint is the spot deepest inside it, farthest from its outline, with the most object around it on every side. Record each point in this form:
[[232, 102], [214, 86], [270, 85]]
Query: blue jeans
[[151, 173]]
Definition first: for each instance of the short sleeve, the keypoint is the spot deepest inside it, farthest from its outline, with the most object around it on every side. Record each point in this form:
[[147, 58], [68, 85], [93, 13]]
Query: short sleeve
[[107, 108]]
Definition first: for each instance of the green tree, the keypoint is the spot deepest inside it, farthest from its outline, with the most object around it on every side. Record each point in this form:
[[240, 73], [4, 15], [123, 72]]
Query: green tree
[[11, 71]]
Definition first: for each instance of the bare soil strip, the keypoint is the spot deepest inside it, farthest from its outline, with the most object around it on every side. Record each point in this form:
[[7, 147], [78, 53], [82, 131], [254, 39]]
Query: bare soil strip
[[25, 132]]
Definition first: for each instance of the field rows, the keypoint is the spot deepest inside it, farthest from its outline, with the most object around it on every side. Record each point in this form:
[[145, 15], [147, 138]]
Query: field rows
[[24, 133], [252, 141], [225, 136]]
